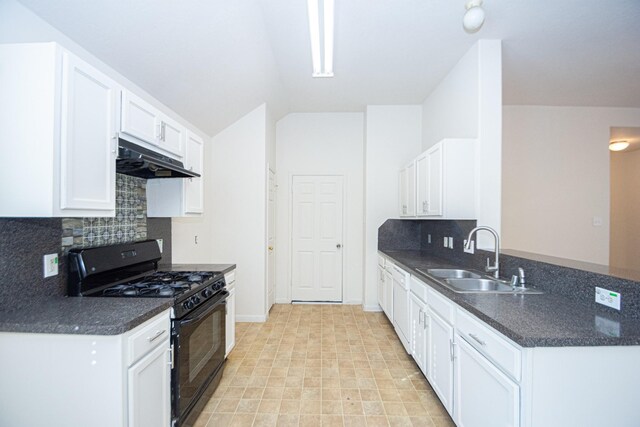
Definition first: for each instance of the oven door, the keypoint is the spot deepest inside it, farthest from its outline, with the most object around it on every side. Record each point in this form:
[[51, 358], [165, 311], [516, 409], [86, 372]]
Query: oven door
[[199, 345]]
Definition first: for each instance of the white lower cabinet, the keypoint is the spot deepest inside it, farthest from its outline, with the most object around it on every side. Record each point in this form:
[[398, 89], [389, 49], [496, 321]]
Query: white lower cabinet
[[230, 319], [388, 293], [88, 380], [149, 387], [419, 330], [441, 359], [380, 286], [401, 315], [484, 396]]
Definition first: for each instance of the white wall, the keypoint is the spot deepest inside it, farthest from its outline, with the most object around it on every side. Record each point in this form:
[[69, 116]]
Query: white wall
[[313, 144], [468, 104], [625, 210], [556, 179], [393, 138], [236, 194]]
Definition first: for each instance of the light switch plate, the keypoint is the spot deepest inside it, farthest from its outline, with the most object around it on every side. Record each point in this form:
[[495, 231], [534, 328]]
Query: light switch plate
[[450, 242], [446, 242], [608, 298], [50, 265]]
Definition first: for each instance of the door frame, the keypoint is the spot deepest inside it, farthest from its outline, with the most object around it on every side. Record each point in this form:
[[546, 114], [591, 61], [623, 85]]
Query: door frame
[[290, 230], [266, 240]]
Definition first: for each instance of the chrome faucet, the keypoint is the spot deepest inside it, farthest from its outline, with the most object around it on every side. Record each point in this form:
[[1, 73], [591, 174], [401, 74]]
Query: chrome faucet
[[521, 275], [495, 268]]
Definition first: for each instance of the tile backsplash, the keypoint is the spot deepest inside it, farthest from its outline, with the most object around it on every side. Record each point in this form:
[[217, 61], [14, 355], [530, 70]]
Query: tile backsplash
[[128, 225]]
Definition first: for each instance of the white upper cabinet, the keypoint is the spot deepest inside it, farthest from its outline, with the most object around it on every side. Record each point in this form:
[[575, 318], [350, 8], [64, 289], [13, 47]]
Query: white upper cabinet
[[178, 197], [149, 126], [57, 134], [194, 191], [408, 190], [87, 138], [444, 182]]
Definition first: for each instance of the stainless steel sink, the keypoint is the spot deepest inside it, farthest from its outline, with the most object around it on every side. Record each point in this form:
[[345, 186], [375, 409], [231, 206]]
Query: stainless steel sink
[[452, 273], [478, 285], [465, 281]]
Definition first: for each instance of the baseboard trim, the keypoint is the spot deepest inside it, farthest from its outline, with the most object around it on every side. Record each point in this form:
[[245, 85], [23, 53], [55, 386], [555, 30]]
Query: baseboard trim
[[251, 318], [374, 307], [283, 301]]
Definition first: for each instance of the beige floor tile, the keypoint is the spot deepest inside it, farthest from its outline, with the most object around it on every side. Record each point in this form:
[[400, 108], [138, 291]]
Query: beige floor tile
[[290, 407], [310, 420], [332, 421], [331, 394], [220, 420], [377, 421], [273, 393], [400, 421], [288, 420], [228, 405], [395, 408], [265, 420], [311, 407], [331, 407], [355, 421], [373, 408], [242, 420], [352, 407], [271, 406], [248, 406], [421, 422], [442, 421]]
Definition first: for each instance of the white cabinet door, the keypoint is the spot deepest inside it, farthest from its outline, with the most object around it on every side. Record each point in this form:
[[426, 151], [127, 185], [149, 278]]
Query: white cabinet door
[[172, 136], [422, 193], [440, 359], [388, 295], [230, 320], [434, 180], [139, 118], [411, 189], [419, 322], [381, 287], [402, 190], [193, 187], [484, 396], [149, 389], [87, 138]]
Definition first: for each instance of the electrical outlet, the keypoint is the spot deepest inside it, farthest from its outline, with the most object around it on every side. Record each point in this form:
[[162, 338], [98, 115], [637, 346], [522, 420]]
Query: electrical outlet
[[446, 242], [608, 298], [450, 242], [472, 248], [50, 265], [597, 221], [160, 244], [429, 238]]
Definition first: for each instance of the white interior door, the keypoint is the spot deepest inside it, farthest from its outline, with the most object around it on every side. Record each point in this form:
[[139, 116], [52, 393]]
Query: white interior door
[[316, 264], [271, 240]]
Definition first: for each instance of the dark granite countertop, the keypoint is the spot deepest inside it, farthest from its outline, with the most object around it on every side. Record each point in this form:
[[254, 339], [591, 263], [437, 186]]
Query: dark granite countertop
[[222, 268], [93, 316], [546, 320], [83, 315]]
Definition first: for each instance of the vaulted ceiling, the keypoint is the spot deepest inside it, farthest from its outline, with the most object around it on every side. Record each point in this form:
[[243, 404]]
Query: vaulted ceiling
[[212, 61]]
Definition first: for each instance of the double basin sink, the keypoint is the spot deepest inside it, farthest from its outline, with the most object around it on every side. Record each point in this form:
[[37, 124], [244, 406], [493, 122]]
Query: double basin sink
[[465, 281]]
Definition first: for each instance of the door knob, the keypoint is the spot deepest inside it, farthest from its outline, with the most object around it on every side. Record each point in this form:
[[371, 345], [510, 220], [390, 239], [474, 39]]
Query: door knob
[[338, 246], [270, 248]]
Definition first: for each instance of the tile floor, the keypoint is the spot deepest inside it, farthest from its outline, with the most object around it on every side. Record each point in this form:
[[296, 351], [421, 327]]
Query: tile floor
[[321, 365]]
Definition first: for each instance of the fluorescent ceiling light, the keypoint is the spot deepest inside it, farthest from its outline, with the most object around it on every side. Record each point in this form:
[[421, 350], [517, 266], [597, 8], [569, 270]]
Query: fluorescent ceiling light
[[618, 145], [314, 33]]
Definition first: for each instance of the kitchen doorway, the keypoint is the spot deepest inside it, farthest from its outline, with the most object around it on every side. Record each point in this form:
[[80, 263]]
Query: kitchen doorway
[[316, 238]]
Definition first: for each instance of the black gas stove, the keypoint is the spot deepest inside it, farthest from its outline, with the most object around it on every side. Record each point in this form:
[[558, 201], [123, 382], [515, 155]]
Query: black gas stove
[[131, 270], [198, 318]]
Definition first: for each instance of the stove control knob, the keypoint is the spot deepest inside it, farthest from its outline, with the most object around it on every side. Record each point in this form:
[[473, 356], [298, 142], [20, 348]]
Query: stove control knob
[[195, 299], [207, 293], [188, 305]]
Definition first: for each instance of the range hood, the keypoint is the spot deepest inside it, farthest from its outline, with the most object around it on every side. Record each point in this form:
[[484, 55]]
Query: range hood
[[138, 161]]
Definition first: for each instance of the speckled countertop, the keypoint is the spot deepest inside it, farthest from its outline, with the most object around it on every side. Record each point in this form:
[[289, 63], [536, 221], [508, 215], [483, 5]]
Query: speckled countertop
[[93, 316], [83, 315], [545, 320]]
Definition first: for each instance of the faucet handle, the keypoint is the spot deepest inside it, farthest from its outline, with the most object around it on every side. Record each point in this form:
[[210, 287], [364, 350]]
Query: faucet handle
[[514, 281]]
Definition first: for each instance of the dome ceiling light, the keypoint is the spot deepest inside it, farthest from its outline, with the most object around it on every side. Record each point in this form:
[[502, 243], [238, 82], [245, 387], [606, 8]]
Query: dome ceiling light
[[473, 17], [618, 145]]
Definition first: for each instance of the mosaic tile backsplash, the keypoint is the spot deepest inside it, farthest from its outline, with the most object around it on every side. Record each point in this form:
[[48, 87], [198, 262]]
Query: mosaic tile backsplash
[[129, 224]]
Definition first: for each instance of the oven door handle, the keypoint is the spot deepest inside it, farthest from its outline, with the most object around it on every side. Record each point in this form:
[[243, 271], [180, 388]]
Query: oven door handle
[[216, 303]]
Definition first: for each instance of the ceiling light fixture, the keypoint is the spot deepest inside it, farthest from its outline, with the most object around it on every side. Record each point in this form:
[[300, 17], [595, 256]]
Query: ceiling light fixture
[[314, 32], [473, 17], [618, 145]]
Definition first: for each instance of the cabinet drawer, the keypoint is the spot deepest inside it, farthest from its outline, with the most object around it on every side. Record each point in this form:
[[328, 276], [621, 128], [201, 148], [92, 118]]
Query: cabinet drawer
[[400, 276], [147, 336], [490, 343], [440, 305], [418, 288]]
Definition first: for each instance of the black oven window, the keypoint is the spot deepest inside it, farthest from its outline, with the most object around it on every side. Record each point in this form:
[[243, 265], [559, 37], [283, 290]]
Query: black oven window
[[204, 342]]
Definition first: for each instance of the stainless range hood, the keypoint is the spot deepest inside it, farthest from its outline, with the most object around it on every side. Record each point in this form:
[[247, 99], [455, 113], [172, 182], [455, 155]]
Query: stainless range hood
[[138, 161]]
